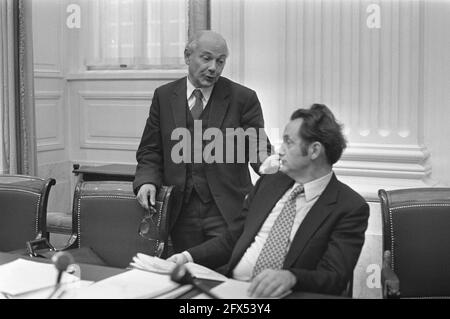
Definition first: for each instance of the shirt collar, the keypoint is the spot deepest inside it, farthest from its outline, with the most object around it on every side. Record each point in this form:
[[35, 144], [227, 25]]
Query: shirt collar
[[316, 187], [205, 91]]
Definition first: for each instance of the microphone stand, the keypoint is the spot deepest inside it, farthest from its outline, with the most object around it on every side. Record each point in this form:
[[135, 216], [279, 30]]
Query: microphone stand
[[61, 261], [57, 286], [203, 289], [182, 276]]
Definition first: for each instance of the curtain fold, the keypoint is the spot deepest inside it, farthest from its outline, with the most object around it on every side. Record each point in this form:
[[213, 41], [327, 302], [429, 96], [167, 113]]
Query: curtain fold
[[17, 112], [199, 16]]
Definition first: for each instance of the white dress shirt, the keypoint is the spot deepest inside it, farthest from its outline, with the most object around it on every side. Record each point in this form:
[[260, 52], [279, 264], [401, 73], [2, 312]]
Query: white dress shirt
[[304, 202], [191, 97]]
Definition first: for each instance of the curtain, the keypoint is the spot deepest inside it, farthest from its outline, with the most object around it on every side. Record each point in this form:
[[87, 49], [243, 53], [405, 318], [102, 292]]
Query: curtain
[[17, 117], [136, 32], [199, 16]]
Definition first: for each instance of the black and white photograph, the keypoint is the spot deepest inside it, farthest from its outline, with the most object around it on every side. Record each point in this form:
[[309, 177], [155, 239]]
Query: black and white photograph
[[224, 149]]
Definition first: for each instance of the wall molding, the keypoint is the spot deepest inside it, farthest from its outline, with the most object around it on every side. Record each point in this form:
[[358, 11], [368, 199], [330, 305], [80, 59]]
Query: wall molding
[[40, 69], [107, 145], [369, 167], [386, 161], [47, 95], [119, 95], [111, 140], [45, 75], [48, 37], [51, 99], [127, 75]]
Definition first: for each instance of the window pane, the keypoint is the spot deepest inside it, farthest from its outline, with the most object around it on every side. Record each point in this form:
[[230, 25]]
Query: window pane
[[137, 33]]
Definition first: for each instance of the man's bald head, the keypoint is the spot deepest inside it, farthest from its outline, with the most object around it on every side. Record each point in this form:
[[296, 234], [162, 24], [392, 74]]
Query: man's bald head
[[206, 36], [205, 54]]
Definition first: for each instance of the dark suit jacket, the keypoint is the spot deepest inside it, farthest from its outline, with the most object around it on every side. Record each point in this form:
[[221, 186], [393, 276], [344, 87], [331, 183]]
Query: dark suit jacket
[[232, 106], [325, 248]]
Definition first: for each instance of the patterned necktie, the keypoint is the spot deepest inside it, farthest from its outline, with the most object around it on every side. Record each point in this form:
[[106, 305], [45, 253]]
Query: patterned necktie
[[197, 109], [274, 250]]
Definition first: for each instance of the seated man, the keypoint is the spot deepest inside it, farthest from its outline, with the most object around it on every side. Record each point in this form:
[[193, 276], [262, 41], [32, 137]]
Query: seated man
[[303, 229]]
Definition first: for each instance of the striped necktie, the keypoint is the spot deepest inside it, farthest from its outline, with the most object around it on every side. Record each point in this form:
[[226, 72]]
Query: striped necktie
[[197, 109]]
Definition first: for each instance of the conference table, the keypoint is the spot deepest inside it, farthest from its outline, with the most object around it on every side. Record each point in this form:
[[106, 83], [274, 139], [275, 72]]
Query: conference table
[[97, 273]]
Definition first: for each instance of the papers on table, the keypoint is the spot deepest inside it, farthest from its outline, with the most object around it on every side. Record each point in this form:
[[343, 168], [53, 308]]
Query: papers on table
[[158, 265], [24, 277], [176, 292], [202, 272], [153, 264], [133, 284], [29, 279], [65, 291], [233, 289]]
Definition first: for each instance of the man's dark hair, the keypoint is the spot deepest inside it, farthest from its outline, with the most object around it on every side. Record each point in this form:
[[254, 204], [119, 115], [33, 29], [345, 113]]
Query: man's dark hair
[[320, 125]]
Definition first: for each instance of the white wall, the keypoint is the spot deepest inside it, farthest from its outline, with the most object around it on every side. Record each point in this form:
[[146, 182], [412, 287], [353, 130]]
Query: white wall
[[52, 129], [437, 87], [389, 86], [89, 118], [108, 109], [108, 115], [376, 81]]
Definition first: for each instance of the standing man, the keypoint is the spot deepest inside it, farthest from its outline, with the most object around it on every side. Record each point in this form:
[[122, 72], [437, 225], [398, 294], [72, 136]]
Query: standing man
[[304, 229], [208, 196]]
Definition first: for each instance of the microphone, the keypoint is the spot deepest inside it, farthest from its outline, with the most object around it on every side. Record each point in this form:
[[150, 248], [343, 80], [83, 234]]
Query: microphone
[[61, 260], [181, 275]]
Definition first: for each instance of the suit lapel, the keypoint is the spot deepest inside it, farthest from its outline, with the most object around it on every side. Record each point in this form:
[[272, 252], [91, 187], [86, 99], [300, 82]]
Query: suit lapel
[[262, 205], [219, 103], [178, 103], [317, 214]]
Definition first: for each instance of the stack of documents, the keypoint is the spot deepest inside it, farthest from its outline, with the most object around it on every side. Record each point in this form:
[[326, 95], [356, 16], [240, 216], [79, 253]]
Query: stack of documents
[[132, 284], [29, 279], [153, 264], [158, 265]]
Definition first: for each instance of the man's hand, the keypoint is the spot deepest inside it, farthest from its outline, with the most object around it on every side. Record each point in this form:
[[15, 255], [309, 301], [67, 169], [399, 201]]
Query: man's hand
[[145, 191], [179, 259], [271, 283], [271, 165]]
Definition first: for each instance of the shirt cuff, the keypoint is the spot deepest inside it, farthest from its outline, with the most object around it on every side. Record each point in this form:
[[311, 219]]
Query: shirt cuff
[[188, 256]]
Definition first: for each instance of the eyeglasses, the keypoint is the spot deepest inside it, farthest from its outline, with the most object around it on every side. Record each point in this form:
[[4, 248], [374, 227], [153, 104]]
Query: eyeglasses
[[149, 229]]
